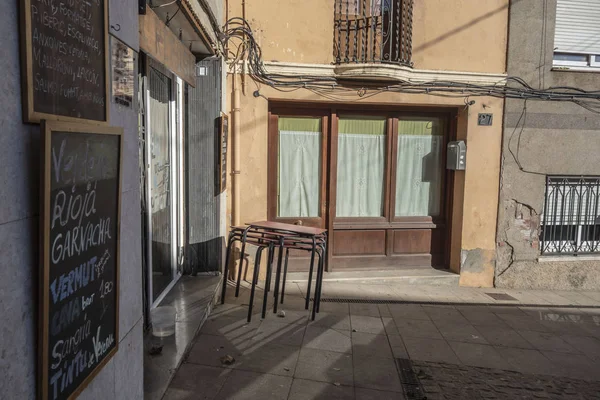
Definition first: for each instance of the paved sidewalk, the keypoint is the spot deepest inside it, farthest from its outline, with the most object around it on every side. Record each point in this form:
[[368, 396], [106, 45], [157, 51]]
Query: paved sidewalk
[[438, 342]]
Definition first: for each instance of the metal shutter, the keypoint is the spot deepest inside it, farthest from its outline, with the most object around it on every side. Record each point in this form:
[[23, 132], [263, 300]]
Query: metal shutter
[[577, 26]]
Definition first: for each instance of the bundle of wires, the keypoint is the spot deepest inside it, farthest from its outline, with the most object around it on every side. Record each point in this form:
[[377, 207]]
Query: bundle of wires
[[238, 34]]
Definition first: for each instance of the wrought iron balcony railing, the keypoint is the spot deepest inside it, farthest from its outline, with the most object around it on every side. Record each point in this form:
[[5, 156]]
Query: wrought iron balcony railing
[[373, 31]]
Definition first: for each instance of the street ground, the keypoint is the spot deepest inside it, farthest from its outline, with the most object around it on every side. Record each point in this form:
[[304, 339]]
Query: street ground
[[415, 342]]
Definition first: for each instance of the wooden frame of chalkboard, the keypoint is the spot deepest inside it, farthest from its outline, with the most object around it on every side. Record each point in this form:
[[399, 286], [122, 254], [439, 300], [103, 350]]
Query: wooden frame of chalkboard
[[77, 161], [62, 42]]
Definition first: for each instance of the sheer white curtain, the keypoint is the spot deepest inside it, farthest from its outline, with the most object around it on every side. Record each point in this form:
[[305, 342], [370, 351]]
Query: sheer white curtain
[[419, 170], [360, 167], [299, 167]]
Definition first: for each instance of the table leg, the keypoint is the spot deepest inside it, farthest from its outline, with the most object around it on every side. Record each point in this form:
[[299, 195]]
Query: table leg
[[278, 275], [266, 292], [310, 274], [254, 281], [285, 266], [226, 268], [243, 250]]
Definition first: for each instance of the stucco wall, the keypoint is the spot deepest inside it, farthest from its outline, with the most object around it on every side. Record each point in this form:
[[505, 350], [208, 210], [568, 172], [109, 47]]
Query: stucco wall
[[458, 35], [476, 189], [557, 139], [122, 377]]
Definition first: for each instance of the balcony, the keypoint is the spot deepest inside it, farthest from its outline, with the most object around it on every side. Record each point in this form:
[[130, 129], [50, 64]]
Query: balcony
[[373, 31]]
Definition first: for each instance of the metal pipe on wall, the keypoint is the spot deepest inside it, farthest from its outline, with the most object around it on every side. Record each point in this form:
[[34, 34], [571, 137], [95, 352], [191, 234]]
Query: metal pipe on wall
[[235, 173]]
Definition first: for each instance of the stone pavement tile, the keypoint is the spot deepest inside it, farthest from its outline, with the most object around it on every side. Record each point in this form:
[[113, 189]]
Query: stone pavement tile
[[575, 365], [398, 346], [417, 328], [551, 297], [589, 346], [310, 390], [529, 361], [327, 339], [371, 394], [369, 310], [425, 349], [366, 344], [196, 381], [461, 333], [376, 373], [291, 316], [547, 341], [410, 311], [246, 385], [325, 366], [361, 323], [451, 317], [237, 329], [293, 303], [482, 316], [577, 298], [340, 322], [208, 350], [479, 355], [384, 311], [335, 308], [523, 322], [506, 310], [590, 330], [390, 326], [506, 337], [594, 296], [280, 333], [527, 296], [271, 358]]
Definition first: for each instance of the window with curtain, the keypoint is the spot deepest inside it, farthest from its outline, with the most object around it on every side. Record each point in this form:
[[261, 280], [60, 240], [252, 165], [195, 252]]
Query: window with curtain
[[299, 167], [360, 166], [419, 168]]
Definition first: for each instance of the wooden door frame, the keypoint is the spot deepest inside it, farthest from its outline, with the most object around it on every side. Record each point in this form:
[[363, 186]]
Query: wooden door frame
[[330, 112]]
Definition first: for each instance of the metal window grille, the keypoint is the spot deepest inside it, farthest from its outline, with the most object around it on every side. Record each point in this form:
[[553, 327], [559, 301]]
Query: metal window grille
[[571, 218], [372, 31]]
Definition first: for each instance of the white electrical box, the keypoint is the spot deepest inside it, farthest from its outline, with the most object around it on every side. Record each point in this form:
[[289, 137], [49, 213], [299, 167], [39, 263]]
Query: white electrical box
[[456, 159]]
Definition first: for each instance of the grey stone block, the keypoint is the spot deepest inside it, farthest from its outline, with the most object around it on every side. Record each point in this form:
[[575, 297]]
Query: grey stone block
[[129, 366]]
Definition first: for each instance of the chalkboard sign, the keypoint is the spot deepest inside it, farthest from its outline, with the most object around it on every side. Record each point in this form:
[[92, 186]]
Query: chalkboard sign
[[64, 47], [80, 255], [223, 134]]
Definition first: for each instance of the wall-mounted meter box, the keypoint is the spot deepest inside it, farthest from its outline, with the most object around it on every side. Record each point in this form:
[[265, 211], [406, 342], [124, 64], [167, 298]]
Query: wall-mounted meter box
[[457, 156]]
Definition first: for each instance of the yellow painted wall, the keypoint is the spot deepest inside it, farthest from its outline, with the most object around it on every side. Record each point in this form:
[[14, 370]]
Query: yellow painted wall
[[452, 35], [457, 35], [476, 189]]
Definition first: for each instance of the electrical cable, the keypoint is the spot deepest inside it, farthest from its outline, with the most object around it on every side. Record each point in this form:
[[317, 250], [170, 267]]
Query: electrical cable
[[238, 31]]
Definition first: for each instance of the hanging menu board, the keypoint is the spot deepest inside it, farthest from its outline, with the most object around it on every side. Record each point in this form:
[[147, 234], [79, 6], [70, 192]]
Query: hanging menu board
[[64, 51], [80, 269]]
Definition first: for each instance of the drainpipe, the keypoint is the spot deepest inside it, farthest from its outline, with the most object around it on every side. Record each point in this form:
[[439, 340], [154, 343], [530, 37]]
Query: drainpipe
[[235, 184]]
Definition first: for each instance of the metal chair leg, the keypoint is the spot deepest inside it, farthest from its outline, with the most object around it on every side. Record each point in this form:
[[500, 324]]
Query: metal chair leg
[[230, 241], [285, 267], [310, 274], [317, 286], [266, 292], [243, 250], [254, 281], [278, 275]]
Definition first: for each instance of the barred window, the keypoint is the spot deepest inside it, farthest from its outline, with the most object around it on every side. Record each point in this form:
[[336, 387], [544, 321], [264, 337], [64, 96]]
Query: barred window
[[571, 218]]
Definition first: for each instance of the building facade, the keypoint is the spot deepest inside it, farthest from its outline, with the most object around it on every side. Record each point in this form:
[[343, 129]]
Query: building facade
[[548, 220], [346, 128]]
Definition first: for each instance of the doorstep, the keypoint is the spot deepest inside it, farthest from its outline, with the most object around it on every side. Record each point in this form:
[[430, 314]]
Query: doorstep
[[193, 297], [411, 276]]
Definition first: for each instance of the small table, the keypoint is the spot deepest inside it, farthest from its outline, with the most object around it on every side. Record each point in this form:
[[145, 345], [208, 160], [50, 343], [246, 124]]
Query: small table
[[283, 229]]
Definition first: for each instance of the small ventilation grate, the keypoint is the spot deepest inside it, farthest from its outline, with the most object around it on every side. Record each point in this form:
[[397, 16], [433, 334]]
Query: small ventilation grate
[[409, 380], [501, 296]]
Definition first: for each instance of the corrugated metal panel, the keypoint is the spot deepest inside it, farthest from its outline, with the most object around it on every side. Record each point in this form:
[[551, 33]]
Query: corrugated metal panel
[[203, 107], [577, 26]]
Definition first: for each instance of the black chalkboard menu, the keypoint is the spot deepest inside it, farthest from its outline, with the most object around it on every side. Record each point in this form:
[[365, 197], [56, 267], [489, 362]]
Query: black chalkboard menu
[[64, 50], [80, 255]]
